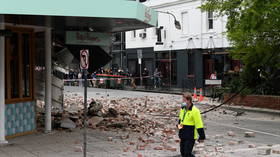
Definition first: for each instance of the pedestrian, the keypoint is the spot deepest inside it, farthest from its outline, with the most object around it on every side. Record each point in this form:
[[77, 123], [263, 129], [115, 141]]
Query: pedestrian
[[213, 76], [157, 76], [80, 79], [190, 126], [145, 74], [93, 79], [133, 83]]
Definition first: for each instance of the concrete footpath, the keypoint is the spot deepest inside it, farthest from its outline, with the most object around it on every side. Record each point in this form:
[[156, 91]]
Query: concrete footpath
[[69, 144]]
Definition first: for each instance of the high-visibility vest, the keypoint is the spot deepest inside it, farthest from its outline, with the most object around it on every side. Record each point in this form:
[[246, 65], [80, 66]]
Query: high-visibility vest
[[192, 119]]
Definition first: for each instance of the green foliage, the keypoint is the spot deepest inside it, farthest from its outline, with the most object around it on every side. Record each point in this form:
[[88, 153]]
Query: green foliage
[[253, 28]]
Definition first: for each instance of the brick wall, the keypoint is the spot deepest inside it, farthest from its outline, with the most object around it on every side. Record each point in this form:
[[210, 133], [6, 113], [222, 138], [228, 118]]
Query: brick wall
[[260, 101]]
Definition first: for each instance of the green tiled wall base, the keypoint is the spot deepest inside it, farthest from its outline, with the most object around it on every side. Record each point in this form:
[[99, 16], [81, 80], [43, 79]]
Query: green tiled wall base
[[20, 117]]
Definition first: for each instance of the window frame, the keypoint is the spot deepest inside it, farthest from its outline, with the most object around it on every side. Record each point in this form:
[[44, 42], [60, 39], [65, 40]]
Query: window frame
[[210, 19], [134, 34], [185, 22], [21, 98]]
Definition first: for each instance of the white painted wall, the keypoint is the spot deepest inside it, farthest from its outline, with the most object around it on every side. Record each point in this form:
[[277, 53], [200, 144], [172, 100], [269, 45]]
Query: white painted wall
[[194, 33]]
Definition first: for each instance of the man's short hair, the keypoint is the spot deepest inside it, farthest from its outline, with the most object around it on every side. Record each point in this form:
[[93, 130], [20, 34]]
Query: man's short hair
[[187, 96]]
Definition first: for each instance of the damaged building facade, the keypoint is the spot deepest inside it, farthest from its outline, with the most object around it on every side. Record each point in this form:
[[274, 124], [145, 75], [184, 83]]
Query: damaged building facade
[[35, 34]]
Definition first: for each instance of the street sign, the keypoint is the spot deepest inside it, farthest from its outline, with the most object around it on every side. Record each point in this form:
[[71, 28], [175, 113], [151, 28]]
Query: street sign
[[84, 55], [139, 61], [213, 82], [139, 54]]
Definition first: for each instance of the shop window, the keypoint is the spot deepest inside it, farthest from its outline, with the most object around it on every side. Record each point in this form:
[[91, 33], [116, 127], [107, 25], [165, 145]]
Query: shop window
[[167, 67], [26, 65], [18, 69], [14, 66]]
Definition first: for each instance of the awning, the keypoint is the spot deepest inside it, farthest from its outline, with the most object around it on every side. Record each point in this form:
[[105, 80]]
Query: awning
[[215, 53], [100, 15]]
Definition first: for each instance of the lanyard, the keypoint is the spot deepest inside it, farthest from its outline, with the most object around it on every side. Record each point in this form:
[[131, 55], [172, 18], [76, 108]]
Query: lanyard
[[185, 111]]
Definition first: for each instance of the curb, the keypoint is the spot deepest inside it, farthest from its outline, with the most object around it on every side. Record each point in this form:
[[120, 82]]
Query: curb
[[250, 109], [242, 108], [156, 91], [227, 106]]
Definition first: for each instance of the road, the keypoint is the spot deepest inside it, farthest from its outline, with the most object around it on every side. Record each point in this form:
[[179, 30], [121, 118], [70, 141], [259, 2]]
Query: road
[[266, 126]]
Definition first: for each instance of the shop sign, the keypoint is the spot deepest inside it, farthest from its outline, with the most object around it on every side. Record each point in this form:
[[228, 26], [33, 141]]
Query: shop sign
[[213, 82], [88, 38]]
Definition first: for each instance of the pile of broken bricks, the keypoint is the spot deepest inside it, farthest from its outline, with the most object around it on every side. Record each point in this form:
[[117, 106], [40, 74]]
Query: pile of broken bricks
[[147, 116], [153, 117]]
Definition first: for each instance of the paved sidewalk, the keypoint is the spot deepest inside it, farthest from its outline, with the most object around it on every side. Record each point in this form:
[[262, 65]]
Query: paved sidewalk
[[69, 144]]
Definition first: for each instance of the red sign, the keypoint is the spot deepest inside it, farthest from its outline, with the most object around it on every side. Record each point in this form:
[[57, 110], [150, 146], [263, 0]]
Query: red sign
[[84, 54], [148, 16]]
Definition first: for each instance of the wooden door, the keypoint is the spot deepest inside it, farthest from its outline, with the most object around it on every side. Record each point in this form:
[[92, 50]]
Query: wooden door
[[209, 68]]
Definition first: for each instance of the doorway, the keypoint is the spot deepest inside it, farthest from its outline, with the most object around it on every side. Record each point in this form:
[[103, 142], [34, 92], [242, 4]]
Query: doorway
[[19, 65]]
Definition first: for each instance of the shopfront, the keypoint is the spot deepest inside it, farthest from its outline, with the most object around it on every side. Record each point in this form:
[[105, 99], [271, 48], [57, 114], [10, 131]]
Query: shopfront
[[166, 62], [221, 64], [19, 98], [32, 29]]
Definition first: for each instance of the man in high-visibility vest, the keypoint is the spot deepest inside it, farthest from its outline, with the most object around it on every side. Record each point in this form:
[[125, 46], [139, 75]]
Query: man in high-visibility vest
[[190, 126]]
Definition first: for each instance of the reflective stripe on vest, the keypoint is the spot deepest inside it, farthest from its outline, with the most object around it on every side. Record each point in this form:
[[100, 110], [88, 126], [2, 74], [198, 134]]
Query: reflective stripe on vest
[[191, 118]]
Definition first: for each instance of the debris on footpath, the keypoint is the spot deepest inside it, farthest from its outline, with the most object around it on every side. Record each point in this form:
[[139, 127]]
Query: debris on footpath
[[129, 114], [154, 118], [264, 150], [231, 133], [68, 123], [249, 134], [252, 146]]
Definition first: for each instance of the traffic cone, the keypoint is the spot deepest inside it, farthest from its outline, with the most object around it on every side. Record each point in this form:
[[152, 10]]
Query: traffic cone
[[201, 97], [194, 94]]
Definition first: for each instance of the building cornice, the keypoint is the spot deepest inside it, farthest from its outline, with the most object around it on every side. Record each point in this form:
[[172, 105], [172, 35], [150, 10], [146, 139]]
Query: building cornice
[[157, 6]]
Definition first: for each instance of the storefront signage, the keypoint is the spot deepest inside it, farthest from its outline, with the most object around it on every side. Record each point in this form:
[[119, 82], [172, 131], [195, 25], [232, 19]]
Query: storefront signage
[[148, 16], [88, 38], [213, 82]]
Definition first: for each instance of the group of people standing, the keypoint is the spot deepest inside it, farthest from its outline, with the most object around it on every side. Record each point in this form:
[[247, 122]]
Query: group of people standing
[[150, 80], [153, 80]]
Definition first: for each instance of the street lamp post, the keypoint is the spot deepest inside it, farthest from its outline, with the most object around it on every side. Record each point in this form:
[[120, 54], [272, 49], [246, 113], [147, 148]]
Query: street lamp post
[[177, 26], [170, 66], [176, 23]]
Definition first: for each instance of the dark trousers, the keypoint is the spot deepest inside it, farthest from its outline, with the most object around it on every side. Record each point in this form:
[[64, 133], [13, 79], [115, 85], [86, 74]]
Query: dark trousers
[[186, 147]]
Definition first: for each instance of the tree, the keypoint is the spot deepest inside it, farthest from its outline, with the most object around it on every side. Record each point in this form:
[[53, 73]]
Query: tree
[[253, 28]]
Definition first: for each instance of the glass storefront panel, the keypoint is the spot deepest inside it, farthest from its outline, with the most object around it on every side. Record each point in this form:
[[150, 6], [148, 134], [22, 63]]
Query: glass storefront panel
[[167, 66], [14, 65], [26, 65], [18, 66]]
